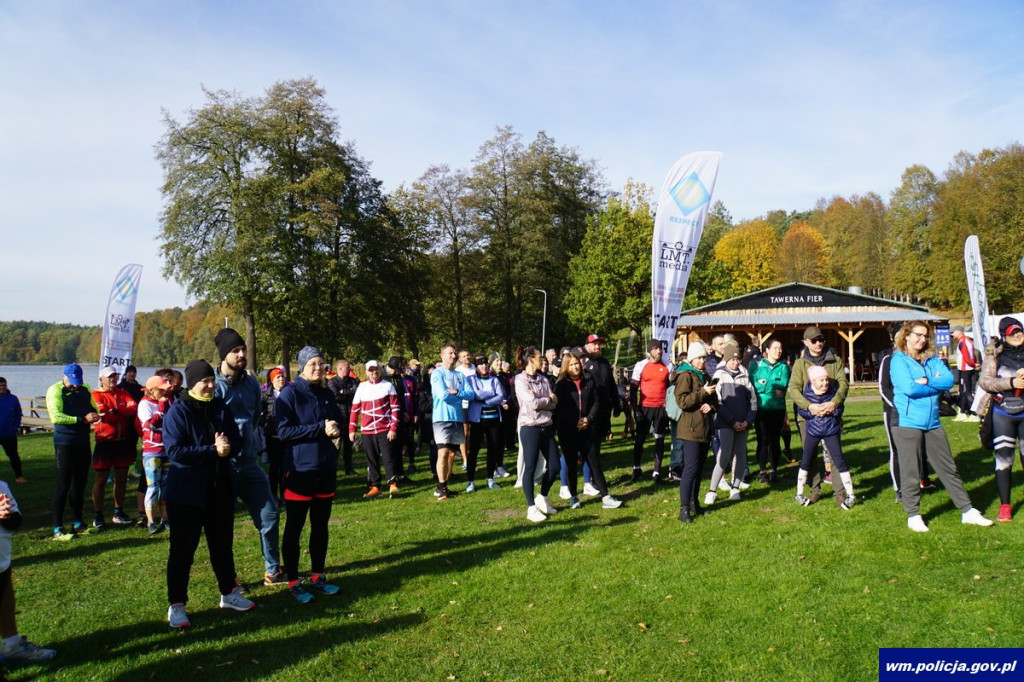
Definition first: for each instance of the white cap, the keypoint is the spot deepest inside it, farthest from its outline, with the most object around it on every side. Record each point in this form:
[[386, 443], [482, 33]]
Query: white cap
[[107, 371]]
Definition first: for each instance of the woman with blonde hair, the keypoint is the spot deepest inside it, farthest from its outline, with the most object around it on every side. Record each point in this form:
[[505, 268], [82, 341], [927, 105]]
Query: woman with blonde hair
[[919, 377]]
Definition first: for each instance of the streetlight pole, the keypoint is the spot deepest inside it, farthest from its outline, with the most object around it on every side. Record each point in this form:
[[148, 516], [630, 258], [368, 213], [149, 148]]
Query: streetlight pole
[[544, 323]]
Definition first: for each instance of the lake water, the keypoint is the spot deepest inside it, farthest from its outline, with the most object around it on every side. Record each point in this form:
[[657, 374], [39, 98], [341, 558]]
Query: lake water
[[31, 381]]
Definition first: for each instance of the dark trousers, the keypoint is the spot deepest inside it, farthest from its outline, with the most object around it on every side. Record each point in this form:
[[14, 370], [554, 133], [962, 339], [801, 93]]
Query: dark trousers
[[73, 462], [888, 417], [427, 436], [695, 454], [810, 456], [275, 462], [538, 441], [378, 447], [217, 521], [319, 510], [489, 429], [769, 432], [578, 446], [648, 419], [10, 446], [966, 385], [346, 444]]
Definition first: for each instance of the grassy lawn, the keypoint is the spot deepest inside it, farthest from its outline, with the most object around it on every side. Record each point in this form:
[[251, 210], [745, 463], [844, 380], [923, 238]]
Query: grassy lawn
[[468, 589]]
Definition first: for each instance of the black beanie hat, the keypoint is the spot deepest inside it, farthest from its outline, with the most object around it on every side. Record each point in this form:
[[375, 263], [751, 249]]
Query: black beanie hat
[[227, 339], [395, 362], [196, 371]]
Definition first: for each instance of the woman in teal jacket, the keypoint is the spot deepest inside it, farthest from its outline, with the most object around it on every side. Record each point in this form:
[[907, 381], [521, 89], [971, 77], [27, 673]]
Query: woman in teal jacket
[[771, 381], [918, 378]]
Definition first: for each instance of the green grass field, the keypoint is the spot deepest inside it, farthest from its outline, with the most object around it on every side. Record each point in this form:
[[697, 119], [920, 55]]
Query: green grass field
[[469, 590]]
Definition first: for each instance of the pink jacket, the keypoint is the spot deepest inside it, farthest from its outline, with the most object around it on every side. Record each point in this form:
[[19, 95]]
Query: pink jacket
[[536, 399]]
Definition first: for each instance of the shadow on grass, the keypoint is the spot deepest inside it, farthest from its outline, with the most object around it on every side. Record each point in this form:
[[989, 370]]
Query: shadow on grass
[[77, 548]]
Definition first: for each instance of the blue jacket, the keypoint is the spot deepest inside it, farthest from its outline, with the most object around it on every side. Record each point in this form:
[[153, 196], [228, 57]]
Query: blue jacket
[[918, 404], [10, 415], [244, 399], [301, 410], [488, 393], [829, 424], [448, 407], [196, 473]]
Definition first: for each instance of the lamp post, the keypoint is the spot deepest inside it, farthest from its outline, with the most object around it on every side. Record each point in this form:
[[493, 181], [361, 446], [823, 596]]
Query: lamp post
[[544, 322]]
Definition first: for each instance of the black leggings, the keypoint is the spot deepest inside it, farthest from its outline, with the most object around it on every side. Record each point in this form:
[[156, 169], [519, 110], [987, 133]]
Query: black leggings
[[1009, 431], [72, 473], [491, 429], [187, 524], [538, 441], [319, 509], [695, 454], [578, 446], [809, 461], [769, 431]]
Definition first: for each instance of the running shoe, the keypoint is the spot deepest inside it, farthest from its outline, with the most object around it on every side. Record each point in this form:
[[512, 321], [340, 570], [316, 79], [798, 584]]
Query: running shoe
[[1005, 513], [275, 578], [25, 650], [492, 485], [299, 593], [535, 515], [590, 491], [374, 491], [122, 519], [973, 517], [609, 502], [393, 490], [236, 602], [322, 585], [176, 617], [563, 492], [574, 503], [60, 534]]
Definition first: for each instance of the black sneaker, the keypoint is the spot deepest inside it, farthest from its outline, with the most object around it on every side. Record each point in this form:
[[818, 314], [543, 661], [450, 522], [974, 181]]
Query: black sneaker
[[636, 476], [763, 478], [684, 516], [656, 477], [98, 522]]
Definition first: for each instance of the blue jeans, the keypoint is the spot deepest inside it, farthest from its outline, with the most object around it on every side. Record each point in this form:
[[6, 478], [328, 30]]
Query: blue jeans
[[253, 487]]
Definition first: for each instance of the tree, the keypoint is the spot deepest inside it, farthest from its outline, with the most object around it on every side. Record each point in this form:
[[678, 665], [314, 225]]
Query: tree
[[610, 277], [803, 256], [911, 212], [749, 253], [214, 220]]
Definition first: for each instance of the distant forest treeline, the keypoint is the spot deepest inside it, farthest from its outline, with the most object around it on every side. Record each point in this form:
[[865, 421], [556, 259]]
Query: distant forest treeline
[[162, 337]]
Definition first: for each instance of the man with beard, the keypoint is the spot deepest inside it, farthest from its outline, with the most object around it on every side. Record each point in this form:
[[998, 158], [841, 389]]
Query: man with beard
[[244, 399]]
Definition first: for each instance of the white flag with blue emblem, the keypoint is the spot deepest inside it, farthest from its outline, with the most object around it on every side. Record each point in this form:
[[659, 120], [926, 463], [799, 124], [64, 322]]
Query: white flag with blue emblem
[[678, 224], [976, 290], [119, 324]]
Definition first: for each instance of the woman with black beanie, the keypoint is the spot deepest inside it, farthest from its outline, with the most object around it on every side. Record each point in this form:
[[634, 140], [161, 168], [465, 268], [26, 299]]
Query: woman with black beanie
[[1002, 376], [199, 437]]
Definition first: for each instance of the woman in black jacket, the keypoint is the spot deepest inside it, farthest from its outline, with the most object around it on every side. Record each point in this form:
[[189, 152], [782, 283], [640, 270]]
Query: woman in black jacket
[[199, 437], [574, 423]]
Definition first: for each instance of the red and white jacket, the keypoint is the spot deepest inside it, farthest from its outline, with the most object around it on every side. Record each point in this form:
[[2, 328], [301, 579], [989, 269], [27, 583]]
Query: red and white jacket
[[377, 403], [149, 423], [117, 414]]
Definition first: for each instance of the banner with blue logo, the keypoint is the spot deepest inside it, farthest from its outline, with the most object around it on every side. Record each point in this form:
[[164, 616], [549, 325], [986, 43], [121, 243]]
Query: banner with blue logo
[[119, 324], [976, 290], [678, 224]]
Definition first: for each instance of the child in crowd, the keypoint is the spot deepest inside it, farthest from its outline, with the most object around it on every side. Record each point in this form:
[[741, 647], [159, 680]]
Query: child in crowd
[[14, 647], [149, 423], [823, 427]]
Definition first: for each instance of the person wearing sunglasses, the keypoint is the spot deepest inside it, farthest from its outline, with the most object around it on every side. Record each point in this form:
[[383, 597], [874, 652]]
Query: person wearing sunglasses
[[816, 353], [1002, 377]]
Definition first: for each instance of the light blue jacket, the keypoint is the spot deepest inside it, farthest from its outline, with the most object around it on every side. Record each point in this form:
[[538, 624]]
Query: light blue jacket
[[447, 406], [244, 400], [488, 393], [918, 404]]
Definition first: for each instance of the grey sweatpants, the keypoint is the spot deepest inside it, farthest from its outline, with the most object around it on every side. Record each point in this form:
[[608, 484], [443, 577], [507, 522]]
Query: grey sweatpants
[[909, 444]]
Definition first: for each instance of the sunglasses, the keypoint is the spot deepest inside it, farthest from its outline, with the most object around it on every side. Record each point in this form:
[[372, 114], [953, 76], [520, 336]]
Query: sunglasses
[[818, 339]]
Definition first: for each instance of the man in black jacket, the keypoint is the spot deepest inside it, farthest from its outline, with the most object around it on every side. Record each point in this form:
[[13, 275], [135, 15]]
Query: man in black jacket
[[599, 370], [344, 384]]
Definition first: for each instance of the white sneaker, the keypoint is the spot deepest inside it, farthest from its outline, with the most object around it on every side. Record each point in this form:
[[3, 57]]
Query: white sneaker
[[563, 492], [501, 473], [535, 515], [960, 417], [176, 617], [236, 602], [574, 503], [973, 517], [734, 495], [743, 485], [471, 487], [973, 418], [709, 499], [492, 485], [609, 502], [590, 491], [724, 486], [916, 524], [543, 504]]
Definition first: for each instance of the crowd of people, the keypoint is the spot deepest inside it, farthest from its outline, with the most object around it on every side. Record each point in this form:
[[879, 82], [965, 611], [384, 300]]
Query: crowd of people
[[206, 434]]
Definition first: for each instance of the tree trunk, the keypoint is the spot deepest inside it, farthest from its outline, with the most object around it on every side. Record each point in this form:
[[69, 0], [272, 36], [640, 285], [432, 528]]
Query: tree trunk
[[250, 332]]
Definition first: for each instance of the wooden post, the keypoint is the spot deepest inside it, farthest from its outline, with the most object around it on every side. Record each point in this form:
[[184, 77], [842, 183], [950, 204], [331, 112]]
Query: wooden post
[[850, 338]]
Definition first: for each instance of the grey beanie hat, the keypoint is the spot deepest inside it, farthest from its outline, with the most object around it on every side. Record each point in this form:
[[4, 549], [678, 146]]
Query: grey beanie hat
[[307, 354]]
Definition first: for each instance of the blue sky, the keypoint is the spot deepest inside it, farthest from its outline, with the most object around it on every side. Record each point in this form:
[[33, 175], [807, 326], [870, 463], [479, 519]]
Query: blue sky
[[805, 100]]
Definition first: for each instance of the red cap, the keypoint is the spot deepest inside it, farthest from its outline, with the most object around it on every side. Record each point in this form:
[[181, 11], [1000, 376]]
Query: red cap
[[595, 338]]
